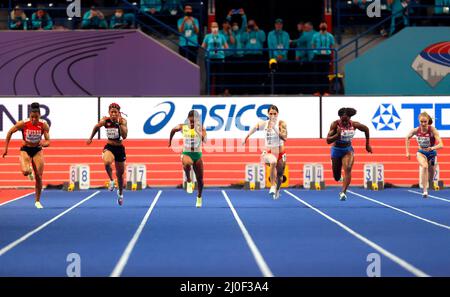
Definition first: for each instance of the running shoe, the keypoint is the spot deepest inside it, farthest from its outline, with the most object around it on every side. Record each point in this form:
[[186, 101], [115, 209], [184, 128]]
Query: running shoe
[[199, 202], [38, 205], [342, 196], [190, 187], [111, 185], [119, 198]]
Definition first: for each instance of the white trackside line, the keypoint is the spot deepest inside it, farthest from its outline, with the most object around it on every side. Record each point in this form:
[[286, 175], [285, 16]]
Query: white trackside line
[[265, 270], [415, 271], [129, 249], [15, 199], [29, 234], [402, 211], [430, 196]]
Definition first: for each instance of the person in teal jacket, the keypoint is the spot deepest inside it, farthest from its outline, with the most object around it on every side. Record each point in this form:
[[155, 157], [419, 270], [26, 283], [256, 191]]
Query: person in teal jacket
[[151, 6], [278, 42], [94, 19], [398, 8], [238, 32], [119, 20], [253, 39], [189, 28], [305, 41], [214, 43], [41, 20], [18, 19]]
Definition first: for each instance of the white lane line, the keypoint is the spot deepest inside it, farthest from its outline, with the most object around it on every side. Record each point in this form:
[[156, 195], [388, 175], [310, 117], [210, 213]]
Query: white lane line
[[15, 199], [31, 233], [265, 270], [407, 266], [118, 269], [430, 196], [401, 210]]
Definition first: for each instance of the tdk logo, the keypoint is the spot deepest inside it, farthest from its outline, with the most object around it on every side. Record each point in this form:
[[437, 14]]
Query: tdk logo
[[433, 63], [386, 118]]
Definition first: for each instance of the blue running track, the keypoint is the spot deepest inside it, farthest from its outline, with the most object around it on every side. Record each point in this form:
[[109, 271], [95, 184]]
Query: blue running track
[[304, 233]]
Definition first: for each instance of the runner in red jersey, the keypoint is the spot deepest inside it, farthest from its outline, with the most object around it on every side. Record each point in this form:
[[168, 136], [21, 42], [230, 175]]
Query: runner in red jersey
[[429, 141], [31, 156]]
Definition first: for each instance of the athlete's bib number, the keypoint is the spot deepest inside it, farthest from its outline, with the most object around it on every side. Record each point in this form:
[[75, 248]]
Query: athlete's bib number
[[112, 133]]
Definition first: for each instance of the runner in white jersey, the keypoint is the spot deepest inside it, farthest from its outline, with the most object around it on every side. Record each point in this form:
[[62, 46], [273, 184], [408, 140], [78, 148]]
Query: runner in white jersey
[[429, 141], [275, 132]]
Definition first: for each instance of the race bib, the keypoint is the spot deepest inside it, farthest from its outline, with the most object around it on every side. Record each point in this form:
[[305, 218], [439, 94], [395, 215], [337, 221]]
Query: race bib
[[188, 33], [253, 41], [280, 46], [112, 133]]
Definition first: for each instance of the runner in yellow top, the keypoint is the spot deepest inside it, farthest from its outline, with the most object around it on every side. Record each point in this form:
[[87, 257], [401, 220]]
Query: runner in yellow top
[[193, 136]]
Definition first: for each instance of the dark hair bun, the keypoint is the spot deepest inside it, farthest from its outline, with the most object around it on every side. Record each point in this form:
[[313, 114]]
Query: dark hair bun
[[35, 105]]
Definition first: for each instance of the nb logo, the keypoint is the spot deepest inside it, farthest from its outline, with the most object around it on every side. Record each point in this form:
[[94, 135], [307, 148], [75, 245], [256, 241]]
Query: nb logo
[[74, 8]]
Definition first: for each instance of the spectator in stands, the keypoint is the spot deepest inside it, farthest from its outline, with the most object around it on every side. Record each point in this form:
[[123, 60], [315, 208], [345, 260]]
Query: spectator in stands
[[173, 7], [278, 42], [229, 37], [18, 19], [253, 40], [253, 43], [188, 26], [119, 20], [214, 43], [238, 31], [305, 41], [41, 20], [94, 19], [300, 26], [151, 6], [305, 57], [322, 42], [441, 9], [399, 11]]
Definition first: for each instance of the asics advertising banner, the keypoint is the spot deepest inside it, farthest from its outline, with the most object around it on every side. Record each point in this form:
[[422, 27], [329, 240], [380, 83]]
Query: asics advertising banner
[[223, 117], [389, 117]]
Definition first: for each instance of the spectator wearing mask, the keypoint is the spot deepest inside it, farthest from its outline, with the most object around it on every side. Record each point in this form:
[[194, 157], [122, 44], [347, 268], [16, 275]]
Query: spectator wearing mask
[[151, 6], [120, 20], [188, 27], [214, 43], [237, 31], [253, 40], [322, 42], [18, 19], [278, 42], [305, 41], [94, 19], [229, 36], [41, 20]]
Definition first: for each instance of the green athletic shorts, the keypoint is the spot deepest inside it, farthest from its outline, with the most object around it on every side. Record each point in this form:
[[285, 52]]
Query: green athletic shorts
[[195, 156]]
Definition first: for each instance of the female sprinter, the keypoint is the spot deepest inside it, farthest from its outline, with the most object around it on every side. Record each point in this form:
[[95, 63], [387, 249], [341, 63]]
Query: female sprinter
[[193, 136], [427, 137], [341, 134], [31, 151], [274, 155], [114, 151]]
